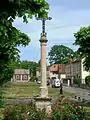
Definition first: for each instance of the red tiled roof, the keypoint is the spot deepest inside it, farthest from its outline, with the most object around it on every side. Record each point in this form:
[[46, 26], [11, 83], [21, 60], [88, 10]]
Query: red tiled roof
[[58, 68]]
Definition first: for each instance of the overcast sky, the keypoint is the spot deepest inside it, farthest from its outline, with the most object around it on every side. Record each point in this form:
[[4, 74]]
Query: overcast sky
[[67, 18]]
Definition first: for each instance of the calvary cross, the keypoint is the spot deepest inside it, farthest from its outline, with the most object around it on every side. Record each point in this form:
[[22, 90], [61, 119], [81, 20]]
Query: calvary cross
[[43, 24]]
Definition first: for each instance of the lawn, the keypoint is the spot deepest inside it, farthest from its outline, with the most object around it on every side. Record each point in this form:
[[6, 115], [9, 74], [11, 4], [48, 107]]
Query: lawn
[[27, 90]]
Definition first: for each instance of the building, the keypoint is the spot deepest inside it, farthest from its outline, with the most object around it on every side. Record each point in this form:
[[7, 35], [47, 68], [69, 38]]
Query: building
[[75, 70], [54, 71], [21, 75], [38, 74], [58, 71]]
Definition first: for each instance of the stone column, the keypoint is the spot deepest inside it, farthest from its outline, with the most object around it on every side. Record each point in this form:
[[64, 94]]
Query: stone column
[[44, 88]]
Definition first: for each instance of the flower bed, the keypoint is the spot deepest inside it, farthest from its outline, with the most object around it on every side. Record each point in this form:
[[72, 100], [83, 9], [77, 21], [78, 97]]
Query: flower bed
[[62, 109]]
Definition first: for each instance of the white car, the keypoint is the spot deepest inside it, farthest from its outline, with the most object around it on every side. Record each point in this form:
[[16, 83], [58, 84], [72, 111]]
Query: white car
[[39, 82], [57, 82]]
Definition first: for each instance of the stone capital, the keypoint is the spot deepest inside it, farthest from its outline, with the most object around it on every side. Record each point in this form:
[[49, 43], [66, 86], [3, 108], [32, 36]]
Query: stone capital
[[43, 39]]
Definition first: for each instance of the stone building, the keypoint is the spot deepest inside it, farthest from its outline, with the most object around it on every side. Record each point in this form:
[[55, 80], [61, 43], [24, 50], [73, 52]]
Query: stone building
[[54, 71], [21, 75], [38, 74], [76, 70], [58, 71]]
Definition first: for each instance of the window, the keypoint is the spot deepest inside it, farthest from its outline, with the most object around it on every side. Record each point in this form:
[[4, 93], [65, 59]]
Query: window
[[17, 77], [24, 77]]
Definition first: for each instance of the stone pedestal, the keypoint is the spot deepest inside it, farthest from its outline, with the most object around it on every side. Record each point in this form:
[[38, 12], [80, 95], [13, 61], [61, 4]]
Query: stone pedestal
[[42, 103], [44, 92]]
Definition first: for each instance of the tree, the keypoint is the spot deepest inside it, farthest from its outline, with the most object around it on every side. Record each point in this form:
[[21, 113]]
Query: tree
[[59, 54], [23, 8], [9, 54], [32, 66], [10, 37], [87, 80], [82, 39], [29, 65]]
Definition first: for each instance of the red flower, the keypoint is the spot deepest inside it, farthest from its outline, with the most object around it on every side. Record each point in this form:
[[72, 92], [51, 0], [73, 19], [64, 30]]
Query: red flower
[[69, 115], [5, 113], [78, 115]]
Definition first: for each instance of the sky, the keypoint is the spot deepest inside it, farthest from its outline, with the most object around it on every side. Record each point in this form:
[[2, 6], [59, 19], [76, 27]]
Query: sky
[[67, 18]]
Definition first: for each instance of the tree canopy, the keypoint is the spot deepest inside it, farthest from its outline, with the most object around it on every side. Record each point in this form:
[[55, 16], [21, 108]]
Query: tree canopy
[[10, 37], [9, 53], [59, 54], [23, 8], [24, 64], [32, 66], [82, 39]]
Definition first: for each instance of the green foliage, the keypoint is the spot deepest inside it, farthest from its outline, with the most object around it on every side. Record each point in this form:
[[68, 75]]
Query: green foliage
[[9, 51], [83, 41], [62, 109], [1, 105], [28, 65], [10, 37], [22, 112], [6, 73], [66, 110], [23, 8], [60, 54], [77, 81], [87, 80]]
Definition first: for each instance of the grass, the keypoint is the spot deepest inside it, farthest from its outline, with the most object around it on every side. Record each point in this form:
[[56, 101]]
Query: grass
[[20, 90], [27, 90], [87, 109]]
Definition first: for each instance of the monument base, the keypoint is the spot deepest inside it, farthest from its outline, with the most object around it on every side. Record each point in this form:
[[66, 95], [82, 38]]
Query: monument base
[[44, 92], [42, 103]]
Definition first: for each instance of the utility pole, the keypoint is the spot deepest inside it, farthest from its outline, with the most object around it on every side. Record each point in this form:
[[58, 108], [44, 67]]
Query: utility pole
[[43, 41]]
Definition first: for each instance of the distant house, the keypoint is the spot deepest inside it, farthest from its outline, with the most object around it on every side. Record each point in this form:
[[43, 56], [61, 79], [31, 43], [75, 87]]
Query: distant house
[[21, 75], [76, 70], [58, 71], [54, 71], [38, 73]]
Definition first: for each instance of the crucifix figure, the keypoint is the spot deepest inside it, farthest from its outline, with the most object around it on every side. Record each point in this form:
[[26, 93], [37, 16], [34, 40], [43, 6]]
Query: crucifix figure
[[43, 24]]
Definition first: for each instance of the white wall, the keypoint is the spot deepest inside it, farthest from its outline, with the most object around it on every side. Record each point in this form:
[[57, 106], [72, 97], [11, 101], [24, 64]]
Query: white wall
[[83, 72], [63, 76], [53, 75]]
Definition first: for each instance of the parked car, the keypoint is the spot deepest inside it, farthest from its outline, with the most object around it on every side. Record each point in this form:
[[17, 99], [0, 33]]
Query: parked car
[[38, 81], [56, 83]]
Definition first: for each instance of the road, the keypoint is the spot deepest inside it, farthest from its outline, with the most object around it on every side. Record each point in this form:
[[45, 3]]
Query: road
[[83, 93]]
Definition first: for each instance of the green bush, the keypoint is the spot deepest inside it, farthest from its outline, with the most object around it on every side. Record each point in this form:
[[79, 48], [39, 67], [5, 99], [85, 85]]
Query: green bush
[[62, 109], [24, 112], [67, 111], [87, 80], [1, 106], [78, 82], [33, 78]]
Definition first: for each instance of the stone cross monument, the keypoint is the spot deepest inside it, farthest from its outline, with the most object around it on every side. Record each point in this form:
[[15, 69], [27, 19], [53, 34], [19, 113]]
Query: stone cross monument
[[43, 42]]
